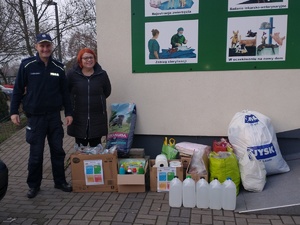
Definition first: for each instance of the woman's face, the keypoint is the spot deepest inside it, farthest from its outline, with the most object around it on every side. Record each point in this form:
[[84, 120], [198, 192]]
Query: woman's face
[[88, 61]]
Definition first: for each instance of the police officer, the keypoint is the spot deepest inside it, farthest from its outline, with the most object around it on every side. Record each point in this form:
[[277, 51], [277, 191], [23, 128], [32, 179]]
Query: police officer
[[41, 87]]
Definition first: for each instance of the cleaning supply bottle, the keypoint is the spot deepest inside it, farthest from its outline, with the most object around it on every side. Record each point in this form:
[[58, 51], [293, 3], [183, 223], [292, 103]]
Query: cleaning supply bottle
[[202, 193], [189, 192], [228, 195], [122, 169], [141, 169], [215, 194], [175, 193]]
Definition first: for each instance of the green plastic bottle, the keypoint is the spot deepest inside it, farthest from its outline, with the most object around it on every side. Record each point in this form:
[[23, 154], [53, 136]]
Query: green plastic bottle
[[141, 169]]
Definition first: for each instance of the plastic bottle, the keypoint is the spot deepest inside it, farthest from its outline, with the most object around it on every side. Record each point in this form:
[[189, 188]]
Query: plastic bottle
[[215, 194], [141, 169], [189, 192], [175, 192], [122, 170], [228, 195], [202, 194]]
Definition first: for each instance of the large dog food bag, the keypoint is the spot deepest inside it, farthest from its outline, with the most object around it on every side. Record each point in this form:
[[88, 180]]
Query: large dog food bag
[[121, 127]]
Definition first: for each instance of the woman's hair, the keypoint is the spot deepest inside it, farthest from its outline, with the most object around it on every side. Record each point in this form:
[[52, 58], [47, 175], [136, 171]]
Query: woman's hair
[[154, 32], [81, 52]]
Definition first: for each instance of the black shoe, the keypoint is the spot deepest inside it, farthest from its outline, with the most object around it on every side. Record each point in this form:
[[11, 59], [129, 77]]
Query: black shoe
[[33, 192], [64, 187]]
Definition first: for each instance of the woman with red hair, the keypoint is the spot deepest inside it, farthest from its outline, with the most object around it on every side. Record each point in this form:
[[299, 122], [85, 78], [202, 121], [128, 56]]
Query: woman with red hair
[[89, 87]]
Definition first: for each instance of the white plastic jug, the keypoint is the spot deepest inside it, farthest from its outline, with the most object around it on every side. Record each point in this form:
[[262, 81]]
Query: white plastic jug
[[202, 194], [175, 193], [228, 195], [215, 194], [189, 192]]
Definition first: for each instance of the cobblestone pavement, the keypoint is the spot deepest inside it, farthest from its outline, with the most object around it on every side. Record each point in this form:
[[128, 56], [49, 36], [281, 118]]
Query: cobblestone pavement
[[52, 206]]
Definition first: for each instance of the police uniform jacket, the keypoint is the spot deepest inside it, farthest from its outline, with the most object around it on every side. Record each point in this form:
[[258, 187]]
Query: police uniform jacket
[[41, 89], [88, 98]]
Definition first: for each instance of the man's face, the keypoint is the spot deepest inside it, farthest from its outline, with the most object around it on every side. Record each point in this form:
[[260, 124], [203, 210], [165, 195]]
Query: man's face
[[44, 49], [180, 32]]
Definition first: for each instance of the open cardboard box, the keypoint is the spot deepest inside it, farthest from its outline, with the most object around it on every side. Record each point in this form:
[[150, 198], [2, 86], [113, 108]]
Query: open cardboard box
[[153, 174], [133, 183], [197, 176], [94, 173]]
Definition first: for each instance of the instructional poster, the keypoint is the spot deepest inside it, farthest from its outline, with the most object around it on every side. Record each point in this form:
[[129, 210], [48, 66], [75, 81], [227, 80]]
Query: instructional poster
[[242, 5], [164, 42], [93, 172], [164, 176], [170, 7], [259, 38]]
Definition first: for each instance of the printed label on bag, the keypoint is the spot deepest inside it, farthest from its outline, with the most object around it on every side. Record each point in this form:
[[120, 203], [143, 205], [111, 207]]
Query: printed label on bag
[[251, 119], [263, 152]]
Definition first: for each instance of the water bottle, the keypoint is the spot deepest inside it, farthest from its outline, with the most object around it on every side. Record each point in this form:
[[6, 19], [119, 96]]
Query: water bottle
[[189, 192], [202, 194], [215, 194], [228, 195], [175, 193]]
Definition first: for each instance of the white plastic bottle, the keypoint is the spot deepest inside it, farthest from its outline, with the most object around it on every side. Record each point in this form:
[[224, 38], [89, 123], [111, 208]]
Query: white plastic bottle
[[215, 194], [175, 193], [202, 194], [228, 195], [189, 192]]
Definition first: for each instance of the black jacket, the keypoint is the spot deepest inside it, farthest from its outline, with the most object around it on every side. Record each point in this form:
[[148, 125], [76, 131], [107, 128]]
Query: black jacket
[[88, 97], [40, 88]]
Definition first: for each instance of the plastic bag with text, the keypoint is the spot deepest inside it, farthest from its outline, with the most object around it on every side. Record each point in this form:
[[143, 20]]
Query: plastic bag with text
[[251, 131]]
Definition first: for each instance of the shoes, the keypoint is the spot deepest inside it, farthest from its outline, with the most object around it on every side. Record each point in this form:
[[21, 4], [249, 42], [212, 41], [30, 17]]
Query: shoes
[[33, 192], [64, 187]]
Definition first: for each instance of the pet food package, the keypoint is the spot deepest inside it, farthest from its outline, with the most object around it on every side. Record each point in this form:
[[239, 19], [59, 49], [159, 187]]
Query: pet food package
[[121, 127], [251, 131]]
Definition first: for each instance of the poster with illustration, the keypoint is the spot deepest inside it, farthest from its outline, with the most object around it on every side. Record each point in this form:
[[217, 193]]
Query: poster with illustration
[[171, 42], [164, 176], [93, 172], [240, 5], [170, 7], [259, 38]]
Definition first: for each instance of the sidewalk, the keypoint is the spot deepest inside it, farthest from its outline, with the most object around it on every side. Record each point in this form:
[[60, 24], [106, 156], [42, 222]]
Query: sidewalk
[[52, 206]]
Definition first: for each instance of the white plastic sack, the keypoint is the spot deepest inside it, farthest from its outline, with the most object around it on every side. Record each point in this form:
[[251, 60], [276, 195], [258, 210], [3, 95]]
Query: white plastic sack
[[253, 173], [251, 131]]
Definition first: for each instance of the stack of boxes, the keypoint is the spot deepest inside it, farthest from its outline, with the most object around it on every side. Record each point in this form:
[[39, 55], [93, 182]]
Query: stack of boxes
[[100, 173]]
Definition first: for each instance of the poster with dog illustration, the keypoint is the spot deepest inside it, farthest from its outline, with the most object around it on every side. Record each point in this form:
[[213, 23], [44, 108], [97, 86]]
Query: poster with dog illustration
[[260, 38], [171, 7], [240, 5], [171, 42]]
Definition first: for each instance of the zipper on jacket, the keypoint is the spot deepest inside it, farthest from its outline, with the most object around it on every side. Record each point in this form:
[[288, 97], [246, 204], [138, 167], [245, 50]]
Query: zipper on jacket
[[88, 105]]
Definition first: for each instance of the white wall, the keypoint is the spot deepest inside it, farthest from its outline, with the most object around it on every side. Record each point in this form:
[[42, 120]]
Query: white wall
[[189, 103]]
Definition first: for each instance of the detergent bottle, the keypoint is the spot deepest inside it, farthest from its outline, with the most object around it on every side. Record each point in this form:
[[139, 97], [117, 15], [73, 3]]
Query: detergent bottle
[[189, 192], [175, 193], [215, 194], [228, 195], [202, 193]]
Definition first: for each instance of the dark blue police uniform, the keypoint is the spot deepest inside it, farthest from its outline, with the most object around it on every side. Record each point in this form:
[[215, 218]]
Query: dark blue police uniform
[[43, 92]]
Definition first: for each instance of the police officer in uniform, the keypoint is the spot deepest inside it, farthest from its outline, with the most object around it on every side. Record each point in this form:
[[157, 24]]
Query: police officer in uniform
[[41, 87]]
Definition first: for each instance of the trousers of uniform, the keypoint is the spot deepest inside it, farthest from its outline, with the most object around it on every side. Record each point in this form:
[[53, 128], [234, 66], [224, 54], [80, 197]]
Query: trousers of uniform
[[38, 128]]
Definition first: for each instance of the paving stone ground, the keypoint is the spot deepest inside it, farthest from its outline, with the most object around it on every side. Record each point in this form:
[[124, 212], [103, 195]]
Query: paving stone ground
[[54, 207]]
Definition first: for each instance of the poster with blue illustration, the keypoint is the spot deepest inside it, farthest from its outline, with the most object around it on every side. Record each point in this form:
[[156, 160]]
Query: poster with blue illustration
[[171, 7]]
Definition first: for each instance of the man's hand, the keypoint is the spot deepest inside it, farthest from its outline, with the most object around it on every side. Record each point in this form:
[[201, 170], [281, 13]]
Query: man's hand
[[15, 118], [69, 120]]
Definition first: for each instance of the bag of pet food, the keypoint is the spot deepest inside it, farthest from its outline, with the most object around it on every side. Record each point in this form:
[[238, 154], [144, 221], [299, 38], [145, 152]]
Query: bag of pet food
[[121, 127]]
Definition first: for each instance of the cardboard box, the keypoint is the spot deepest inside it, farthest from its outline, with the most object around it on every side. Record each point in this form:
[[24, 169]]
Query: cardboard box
[[134, 183], [137, 153], [196, 176], [153, 174], [185, 163], [94, 173]]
